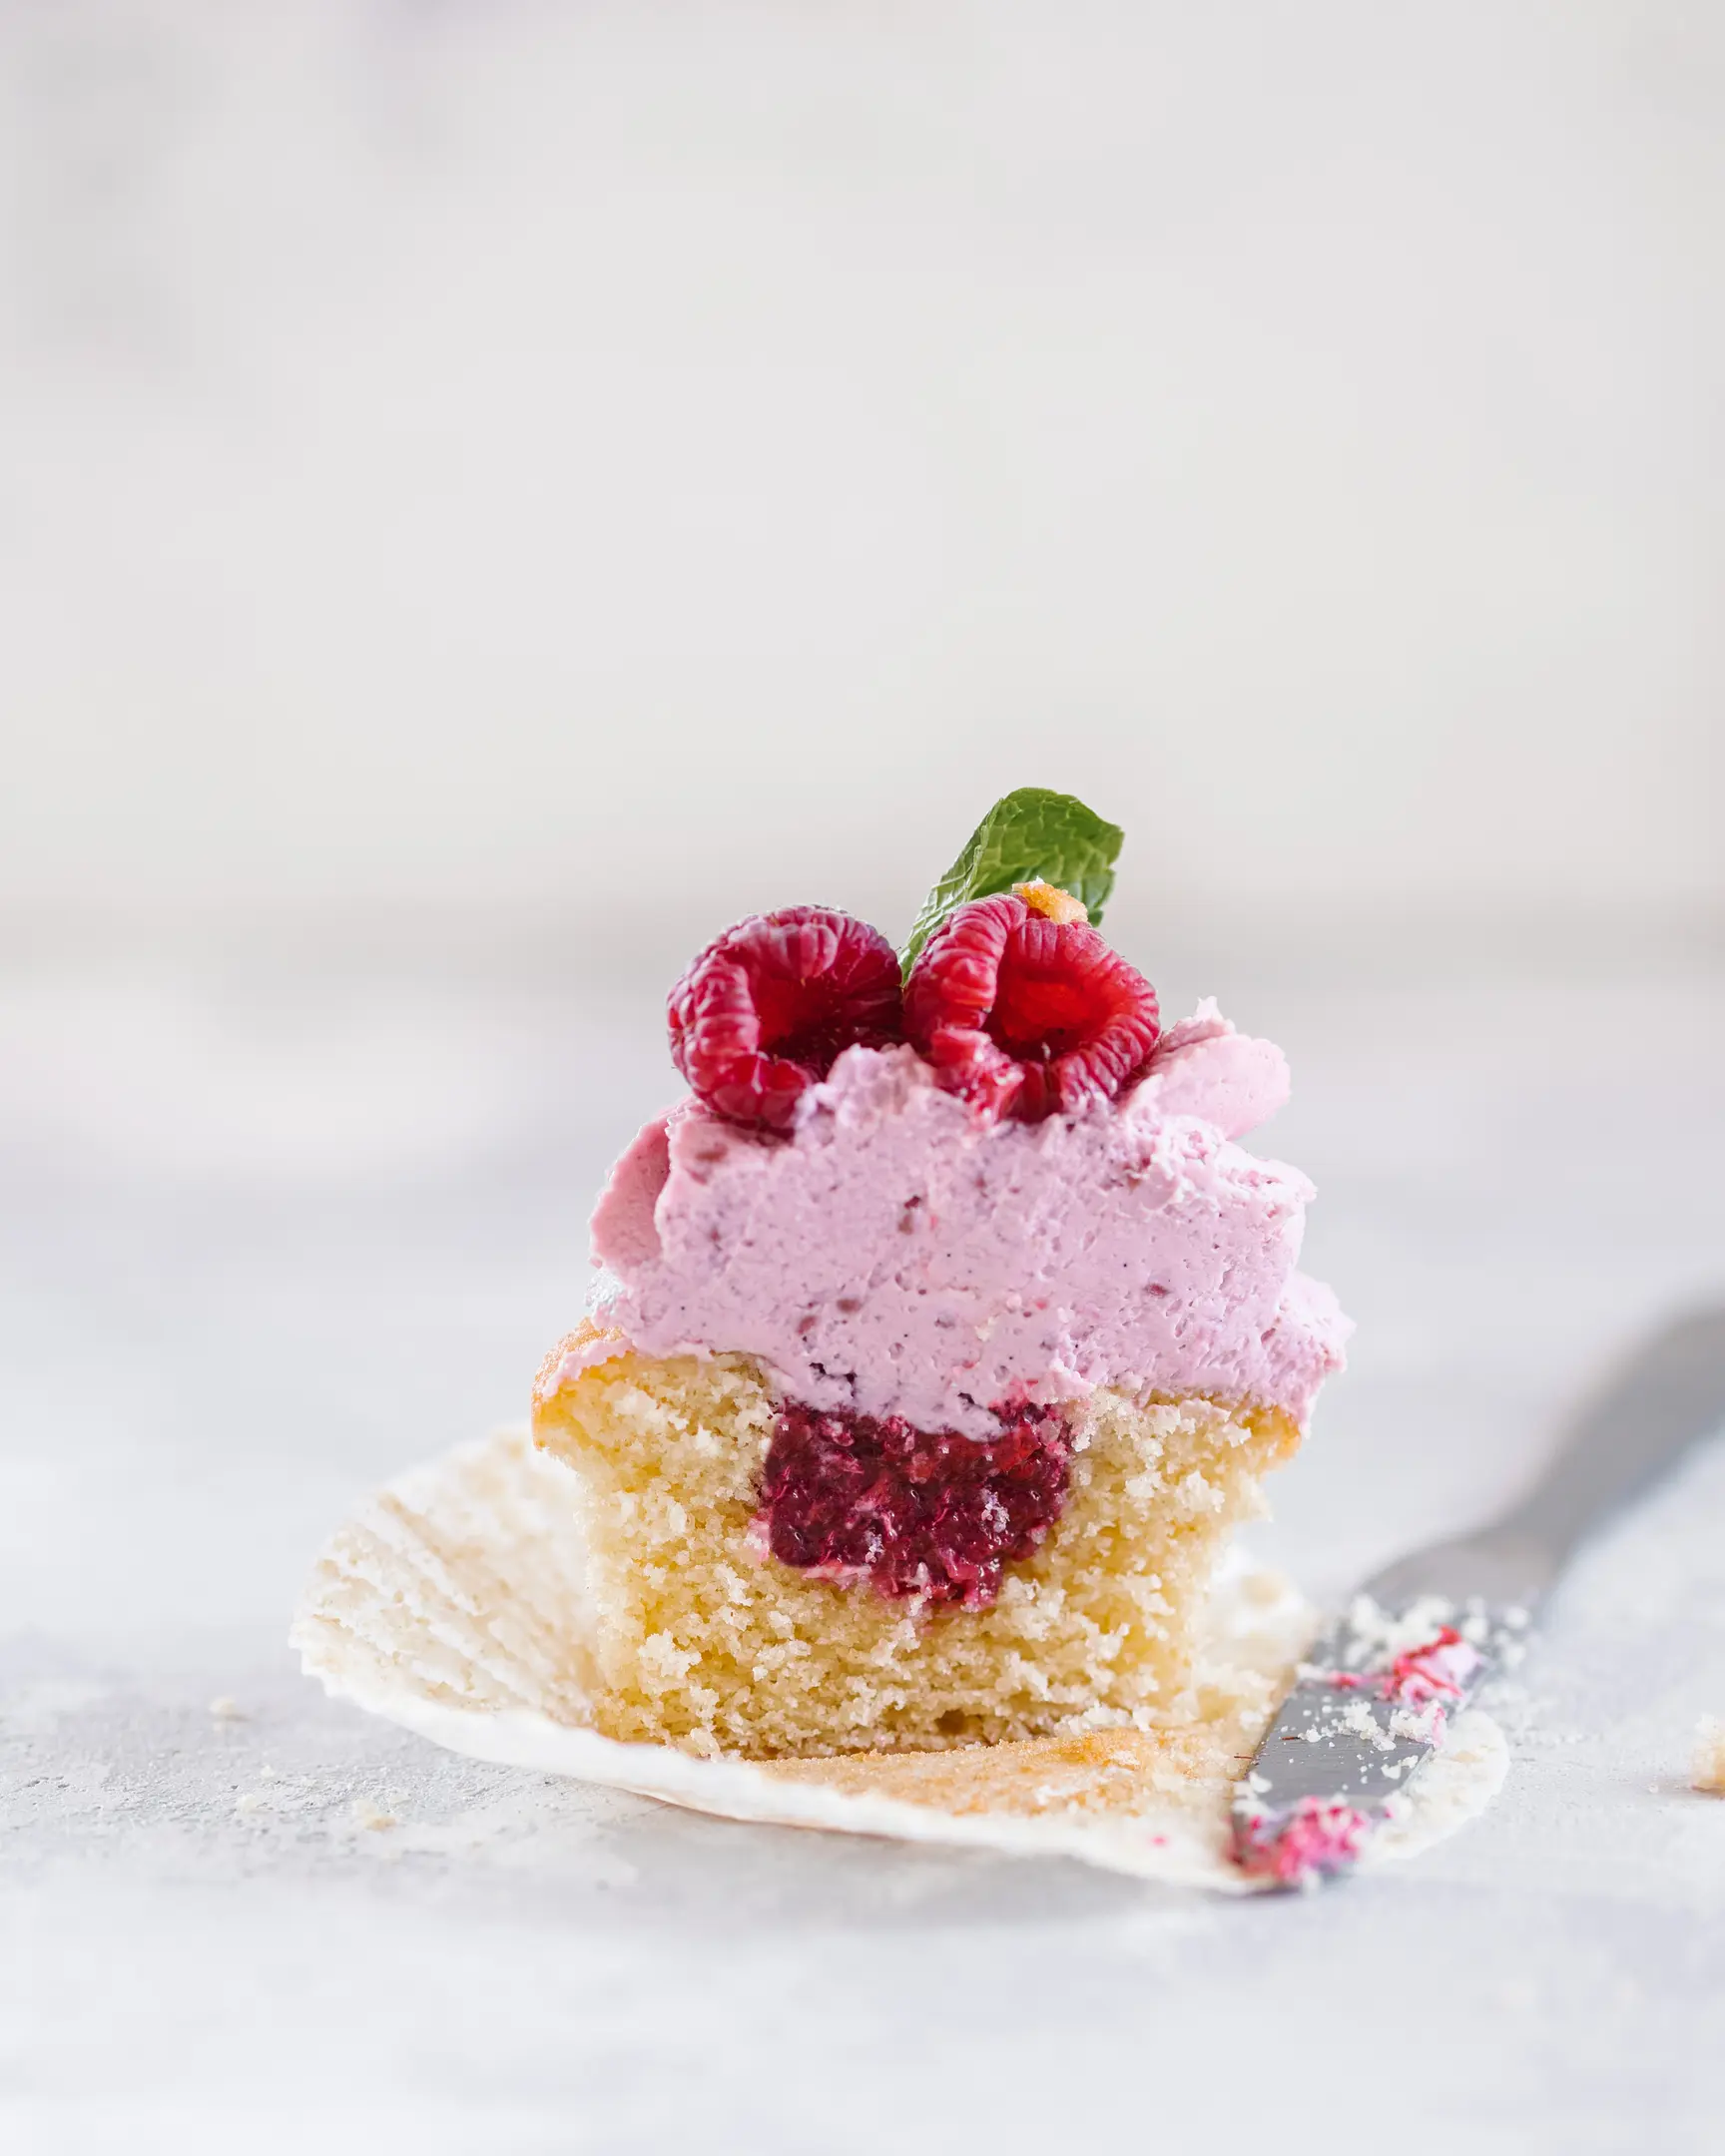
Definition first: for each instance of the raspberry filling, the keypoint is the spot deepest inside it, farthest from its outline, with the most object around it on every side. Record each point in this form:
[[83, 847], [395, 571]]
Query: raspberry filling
[[1026, 1017], [767, 1007], [928, 1513]]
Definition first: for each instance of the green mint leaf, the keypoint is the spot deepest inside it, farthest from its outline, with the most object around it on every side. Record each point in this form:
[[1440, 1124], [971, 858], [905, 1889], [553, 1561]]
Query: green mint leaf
[[1025, 835]]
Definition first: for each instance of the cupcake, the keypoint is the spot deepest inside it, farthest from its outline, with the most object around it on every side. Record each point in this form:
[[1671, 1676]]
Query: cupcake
[[940, 1335]]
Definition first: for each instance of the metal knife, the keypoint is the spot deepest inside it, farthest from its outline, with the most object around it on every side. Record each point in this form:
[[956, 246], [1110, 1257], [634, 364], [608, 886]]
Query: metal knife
[[1420, 1638]]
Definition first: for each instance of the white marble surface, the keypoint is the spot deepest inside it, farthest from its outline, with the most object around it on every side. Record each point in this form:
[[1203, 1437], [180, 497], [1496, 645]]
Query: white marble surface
[[259, 1249]]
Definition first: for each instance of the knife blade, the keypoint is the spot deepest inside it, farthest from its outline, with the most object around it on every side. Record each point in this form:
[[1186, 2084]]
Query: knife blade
[[1372, 1700]]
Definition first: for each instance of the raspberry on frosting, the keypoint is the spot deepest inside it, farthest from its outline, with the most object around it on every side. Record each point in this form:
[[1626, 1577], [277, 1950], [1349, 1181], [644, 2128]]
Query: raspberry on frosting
[[766, 1009], [1026, 1017]]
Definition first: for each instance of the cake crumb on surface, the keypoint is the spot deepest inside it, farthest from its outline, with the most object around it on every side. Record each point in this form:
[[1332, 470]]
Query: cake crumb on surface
[[372, 1816], [1709, 1771], [225, 1709]]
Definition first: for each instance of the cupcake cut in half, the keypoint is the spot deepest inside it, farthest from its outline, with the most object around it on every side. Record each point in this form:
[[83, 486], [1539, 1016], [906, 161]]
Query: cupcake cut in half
[[939, 1336]]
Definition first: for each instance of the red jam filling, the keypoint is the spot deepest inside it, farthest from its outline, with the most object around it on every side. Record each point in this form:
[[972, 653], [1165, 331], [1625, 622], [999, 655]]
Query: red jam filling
[[924, 1513]]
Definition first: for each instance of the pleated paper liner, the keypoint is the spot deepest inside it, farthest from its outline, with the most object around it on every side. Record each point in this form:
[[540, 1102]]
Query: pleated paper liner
[[450, 1603]]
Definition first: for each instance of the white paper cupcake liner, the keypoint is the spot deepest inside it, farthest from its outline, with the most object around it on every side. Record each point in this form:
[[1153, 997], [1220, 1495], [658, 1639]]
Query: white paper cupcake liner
[[450, 1603]]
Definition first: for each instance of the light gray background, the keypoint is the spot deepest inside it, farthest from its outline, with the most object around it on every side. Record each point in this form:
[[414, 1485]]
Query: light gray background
[[444, 444], [486, 495]]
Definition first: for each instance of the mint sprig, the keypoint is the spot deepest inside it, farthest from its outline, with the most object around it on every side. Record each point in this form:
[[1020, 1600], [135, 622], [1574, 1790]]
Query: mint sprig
[[1027, 835]]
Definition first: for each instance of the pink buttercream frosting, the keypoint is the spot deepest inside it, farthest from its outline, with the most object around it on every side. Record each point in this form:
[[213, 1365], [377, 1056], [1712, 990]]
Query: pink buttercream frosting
[[899, 1256]]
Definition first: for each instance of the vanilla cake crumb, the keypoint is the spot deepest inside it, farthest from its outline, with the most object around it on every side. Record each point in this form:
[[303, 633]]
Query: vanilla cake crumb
[[1709, 1774], [372, 1817], [702, 1640], [223, 1709]]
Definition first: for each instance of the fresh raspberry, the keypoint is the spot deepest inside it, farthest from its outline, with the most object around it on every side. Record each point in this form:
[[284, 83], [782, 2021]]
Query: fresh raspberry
[[913, 1512], [1024, 1016], [767, 1007]]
